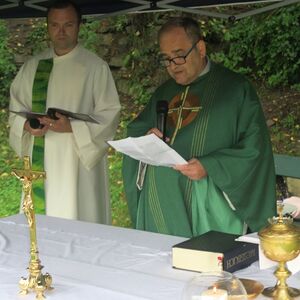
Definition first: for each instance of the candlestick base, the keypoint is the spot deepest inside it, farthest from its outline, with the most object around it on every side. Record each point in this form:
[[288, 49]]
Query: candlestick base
[[36, 281]]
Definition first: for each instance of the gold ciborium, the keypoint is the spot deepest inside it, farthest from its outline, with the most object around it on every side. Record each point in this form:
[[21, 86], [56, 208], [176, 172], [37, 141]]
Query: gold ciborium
[[280, 242]]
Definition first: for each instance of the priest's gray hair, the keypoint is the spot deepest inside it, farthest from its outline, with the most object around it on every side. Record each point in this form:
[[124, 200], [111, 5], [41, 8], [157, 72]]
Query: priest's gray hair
[[190, 26]]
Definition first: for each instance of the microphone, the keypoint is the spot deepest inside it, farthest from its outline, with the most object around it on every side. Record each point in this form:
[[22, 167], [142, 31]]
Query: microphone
[[162, 108]]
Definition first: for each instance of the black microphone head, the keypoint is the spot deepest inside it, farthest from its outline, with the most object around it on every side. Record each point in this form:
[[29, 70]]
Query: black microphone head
[[162, 107]]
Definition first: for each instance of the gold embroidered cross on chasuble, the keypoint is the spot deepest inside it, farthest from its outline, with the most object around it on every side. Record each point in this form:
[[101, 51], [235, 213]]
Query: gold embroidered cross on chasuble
[[183, 109]]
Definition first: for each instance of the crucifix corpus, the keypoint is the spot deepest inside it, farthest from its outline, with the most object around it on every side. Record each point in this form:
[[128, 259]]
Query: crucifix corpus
[[36, 281]]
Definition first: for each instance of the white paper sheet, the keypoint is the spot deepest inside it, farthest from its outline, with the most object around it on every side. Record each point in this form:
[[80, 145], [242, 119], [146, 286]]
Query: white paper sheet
[[149, 149]]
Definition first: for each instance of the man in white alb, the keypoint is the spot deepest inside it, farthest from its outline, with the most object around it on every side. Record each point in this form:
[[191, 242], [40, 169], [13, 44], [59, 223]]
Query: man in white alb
[[74, 151]]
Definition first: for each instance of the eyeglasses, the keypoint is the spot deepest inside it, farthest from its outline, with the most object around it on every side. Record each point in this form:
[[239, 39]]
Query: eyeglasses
[[178, 60]]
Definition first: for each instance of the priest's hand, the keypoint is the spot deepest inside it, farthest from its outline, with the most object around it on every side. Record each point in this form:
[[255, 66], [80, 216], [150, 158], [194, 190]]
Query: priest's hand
[[193, 169], [294, 201], [158, 133], [35, 131], [62, 124]]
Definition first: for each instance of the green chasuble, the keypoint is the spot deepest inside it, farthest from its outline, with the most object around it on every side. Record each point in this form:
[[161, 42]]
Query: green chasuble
[[227, 132], [39, 97]]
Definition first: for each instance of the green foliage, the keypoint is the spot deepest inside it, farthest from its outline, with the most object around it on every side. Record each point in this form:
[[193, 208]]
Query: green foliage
[[141, 59], [89, 35], [10, 188], [37, 39], [267, 46], [10, 196], [296, 87], [7, 66], [119, 23], [213, 31], [120, 215], [136, 61], [285, 132]]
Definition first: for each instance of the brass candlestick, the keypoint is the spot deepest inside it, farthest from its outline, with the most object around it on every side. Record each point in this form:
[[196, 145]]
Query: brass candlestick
[[36, 280], [280, 242]]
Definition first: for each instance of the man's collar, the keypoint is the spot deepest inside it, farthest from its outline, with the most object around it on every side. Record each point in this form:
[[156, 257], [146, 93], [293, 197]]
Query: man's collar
[[207, 67], [67, 54]]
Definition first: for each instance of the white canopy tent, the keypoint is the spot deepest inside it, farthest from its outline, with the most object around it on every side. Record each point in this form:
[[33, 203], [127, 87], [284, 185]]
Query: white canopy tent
[[105, 8]]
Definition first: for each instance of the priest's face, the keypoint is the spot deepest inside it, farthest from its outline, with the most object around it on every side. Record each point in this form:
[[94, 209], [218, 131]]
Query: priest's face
[[63, 29], [175, 43]]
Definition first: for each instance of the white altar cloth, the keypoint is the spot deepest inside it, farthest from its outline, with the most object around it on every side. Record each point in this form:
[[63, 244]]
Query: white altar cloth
[[92, 261]]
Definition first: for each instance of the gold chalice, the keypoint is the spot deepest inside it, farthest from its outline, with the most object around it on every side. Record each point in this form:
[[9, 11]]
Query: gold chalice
[[280, 242]]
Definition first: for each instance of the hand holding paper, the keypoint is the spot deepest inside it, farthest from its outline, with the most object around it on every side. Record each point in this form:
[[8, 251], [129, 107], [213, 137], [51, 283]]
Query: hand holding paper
[[149, 149]]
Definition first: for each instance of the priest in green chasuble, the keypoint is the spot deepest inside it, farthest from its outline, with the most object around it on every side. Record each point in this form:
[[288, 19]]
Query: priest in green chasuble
[[215, 121]]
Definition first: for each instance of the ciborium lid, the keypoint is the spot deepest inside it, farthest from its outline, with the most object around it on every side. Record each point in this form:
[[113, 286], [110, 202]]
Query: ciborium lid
[[280, 227]]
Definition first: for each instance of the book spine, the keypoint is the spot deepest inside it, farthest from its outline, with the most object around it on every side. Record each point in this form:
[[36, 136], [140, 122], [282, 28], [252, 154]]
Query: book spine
[[240, 257]]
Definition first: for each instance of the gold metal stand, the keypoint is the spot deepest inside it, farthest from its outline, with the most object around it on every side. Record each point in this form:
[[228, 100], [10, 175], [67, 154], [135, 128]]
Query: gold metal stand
[[280, 242], [281, 290], [36, 280]]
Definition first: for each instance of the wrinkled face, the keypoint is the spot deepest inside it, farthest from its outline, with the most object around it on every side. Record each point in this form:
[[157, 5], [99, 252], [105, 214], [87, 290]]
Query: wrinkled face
[[175, 42], [63, 29]]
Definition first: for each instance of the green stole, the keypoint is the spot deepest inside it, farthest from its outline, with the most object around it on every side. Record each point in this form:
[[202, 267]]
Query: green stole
[[39, 97]]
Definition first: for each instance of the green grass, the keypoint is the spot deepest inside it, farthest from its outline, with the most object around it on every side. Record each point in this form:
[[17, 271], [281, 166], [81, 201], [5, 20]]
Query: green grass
[[120, 216], [10, 188], [9, 195]]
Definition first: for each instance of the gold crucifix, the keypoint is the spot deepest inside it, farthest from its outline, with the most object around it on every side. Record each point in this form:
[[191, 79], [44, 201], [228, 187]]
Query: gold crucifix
[[36, 280], [182, 113], [27, 176]]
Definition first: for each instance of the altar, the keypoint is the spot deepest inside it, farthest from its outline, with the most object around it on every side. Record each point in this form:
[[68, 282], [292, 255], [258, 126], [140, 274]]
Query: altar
[[92, 261]]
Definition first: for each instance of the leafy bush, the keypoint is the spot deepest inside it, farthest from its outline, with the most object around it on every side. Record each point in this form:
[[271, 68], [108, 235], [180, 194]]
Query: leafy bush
[[141, 60], [37, 39], [7, 65], [89, 36], [267, 46]]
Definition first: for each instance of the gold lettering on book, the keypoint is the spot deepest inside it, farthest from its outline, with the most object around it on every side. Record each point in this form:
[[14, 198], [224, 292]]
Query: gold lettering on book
[[240, 258]]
